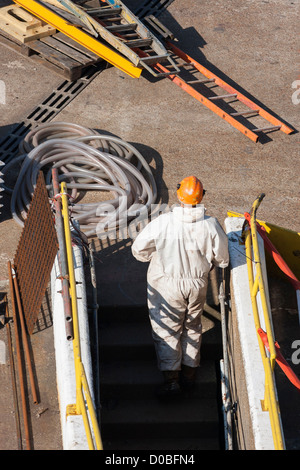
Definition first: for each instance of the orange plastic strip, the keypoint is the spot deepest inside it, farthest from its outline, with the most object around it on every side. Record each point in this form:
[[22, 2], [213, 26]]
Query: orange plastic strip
[[280, 360], [275, 254]]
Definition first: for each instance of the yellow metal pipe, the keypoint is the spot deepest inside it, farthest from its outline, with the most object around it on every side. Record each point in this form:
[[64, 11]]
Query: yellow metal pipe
[[269, 403], [255, 286], [273, 409], [259, 274], [91, 407], [72, 281], [86, 422], [251, 283], [81, 37], [81, 381]]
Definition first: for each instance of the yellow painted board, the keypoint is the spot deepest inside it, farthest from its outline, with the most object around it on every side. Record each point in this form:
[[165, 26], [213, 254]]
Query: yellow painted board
[[286, 241], [81, 37]]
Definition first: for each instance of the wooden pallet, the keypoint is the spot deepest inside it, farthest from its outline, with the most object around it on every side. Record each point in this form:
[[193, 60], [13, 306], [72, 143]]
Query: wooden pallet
[[57, 52]]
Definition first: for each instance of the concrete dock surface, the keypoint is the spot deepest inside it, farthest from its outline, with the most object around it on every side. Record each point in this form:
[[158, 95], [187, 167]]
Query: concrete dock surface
[[253, 45]]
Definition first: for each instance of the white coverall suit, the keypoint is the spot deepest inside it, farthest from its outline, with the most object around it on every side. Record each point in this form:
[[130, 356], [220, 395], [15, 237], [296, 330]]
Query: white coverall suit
[[182, 246]]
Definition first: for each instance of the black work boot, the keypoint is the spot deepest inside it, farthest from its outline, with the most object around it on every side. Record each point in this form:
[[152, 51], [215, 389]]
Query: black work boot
[[170, 387], [188, 377]]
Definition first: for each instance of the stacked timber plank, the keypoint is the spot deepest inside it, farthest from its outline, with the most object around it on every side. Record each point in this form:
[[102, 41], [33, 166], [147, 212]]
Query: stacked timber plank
[[23, 26]]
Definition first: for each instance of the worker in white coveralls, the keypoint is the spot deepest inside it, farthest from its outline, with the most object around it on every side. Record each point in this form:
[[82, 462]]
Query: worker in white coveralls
[[182, 245]]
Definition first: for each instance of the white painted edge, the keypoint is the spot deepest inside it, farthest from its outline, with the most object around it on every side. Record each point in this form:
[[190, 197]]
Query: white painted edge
[[251, 356], [72, 427], [2, 352]]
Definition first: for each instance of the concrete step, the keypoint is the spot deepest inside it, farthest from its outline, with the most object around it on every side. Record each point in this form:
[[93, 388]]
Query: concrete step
[[123, 313], [180, 418], [132, 379], [132, 417], [131, 313], [132, 340], [125, 340], [165, 444]]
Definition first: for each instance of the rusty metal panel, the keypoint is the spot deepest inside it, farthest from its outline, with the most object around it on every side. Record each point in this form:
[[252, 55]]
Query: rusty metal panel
[[35, 253]]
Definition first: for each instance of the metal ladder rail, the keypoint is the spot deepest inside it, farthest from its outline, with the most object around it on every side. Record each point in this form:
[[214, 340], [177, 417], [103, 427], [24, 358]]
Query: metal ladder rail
[[209, 104], [151, 7], [133, 34], [95, 20], [120, 28], [127, 35], [231, 92]]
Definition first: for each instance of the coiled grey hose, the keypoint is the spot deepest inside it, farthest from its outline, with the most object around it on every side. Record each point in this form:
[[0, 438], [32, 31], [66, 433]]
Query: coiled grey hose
[[87, 161]]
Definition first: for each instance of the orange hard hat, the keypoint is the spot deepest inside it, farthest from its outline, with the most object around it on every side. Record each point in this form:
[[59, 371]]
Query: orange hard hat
[[190, 191]]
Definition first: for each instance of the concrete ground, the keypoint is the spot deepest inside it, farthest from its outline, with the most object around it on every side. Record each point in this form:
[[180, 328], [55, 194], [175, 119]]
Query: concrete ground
[[253, 45]]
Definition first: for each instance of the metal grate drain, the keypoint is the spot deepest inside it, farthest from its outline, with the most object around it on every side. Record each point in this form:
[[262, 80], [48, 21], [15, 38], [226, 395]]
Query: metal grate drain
[[46, 111]]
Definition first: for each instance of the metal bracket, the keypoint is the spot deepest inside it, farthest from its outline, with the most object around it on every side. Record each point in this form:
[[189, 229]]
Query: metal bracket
[[159, 27], [71, 410]]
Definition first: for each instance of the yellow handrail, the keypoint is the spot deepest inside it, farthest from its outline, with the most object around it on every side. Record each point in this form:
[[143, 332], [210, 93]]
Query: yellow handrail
[[256, 284], [82, 387]]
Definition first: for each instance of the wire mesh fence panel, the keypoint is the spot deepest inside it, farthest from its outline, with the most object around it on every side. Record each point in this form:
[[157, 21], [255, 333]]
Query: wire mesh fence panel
[[35, 253]]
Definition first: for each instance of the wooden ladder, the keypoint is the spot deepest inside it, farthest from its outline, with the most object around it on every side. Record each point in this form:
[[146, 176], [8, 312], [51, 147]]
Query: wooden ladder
[[122, 30]]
